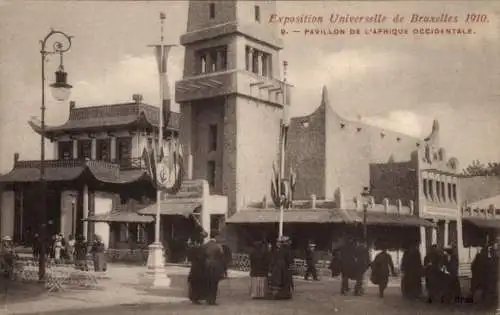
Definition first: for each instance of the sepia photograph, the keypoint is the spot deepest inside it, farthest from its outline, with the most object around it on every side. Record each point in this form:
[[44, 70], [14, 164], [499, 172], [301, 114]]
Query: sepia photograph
[[249, 157]]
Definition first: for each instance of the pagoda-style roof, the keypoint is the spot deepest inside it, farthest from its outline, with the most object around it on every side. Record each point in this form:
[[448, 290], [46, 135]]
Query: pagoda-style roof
[[109, 117], [69, 170]]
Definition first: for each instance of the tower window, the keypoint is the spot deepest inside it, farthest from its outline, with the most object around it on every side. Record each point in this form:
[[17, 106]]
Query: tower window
[[203, 64], [213, 137], [257, 13], [211, 173], [212, 10], [265, 65], [255, 62], [213, 61]]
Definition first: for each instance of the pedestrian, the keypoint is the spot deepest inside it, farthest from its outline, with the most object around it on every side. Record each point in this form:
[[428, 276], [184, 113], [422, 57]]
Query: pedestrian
[[452, 267], [197, 277], [81, 253], [259, 270], [361, 264], [58, 246], [382, 266], [479, 270], [99, 256], [347, 264], [70, 248], [311, 260], [36, 246], [412, 272], [434, 276], [214, 268], [281, 278]]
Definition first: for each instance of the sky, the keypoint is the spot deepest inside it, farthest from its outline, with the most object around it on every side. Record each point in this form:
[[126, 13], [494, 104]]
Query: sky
[[396, 82]]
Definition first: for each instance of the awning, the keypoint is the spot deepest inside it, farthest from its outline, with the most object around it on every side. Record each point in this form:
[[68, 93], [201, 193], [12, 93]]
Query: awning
[[172, 207], [121, 216], [484, 223], [394, 219], [294, 216]]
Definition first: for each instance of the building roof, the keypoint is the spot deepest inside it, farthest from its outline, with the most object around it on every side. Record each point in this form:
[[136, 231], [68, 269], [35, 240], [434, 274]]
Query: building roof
[[121, 216], [483, 222], [68, 170], [107, 117], [173, 207], [486, 203]]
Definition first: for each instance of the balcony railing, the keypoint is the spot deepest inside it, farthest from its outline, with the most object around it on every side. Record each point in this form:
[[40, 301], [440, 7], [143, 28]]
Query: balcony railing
[[125, 164]]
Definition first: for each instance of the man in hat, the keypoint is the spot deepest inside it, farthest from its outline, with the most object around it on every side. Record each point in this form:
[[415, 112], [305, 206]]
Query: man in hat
[[281, 278], [214, 267], [311, 261]]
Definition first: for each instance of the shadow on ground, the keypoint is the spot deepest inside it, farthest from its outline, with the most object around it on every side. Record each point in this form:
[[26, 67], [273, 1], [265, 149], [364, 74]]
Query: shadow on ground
[[15, 291]]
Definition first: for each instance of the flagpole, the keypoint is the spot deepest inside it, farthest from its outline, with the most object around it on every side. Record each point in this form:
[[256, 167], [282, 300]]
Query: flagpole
[[283, 130], [160, 132]]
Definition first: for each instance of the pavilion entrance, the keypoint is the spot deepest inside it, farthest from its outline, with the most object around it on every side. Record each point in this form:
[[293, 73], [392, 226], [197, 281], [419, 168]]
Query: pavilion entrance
[[28, 216]]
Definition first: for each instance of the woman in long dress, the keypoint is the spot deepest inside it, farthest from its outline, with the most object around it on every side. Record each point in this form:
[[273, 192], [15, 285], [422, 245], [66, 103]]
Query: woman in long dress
[[259, 270], [98, 254], [281, 279]]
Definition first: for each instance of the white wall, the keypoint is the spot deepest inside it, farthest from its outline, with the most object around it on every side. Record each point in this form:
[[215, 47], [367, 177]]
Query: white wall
[[68, 217], [103, 205], [7, 220]]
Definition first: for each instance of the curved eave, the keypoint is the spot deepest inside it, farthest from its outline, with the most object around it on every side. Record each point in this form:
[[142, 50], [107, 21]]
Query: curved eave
[[144, 121]]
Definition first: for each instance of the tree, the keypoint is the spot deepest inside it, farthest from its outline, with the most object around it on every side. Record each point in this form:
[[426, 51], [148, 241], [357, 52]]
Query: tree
[[476, 168]]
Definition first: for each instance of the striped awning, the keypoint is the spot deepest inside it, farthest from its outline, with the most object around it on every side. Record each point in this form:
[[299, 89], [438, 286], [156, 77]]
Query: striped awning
[[121, 216], [294, 216], [177, 207], [394, 219]]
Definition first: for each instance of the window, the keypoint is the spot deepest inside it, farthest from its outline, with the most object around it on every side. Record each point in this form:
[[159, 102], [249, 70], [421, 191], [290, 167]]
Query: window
[[124, 150], [212, 10], [265, 62], [123, 233], [443, 191], [213, 61], [255, 62], [425, 188], [85, 149], [212, 140], [211, 173], [248, 51], [65, 150], [257, 13], [454, 192], [438, 190], [223, 58], [103, 150], [141, 234], [431, 189]]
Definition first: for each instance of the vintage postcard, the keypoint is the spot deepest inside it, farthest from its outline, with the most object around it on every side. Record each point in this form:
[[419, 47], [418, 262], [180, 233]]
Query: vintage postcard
[[249, 157]]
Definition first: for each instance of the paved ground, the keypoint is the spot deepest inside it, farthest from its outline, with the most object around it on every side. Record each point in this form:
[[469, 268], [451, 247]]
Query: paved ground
[[123, 295]]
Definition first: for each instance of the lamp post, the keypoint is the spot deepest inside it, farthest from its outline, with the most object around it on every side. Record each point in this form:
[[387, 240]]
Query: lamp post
[[60, 91], [366, 196], [285, 122], [73, 215]]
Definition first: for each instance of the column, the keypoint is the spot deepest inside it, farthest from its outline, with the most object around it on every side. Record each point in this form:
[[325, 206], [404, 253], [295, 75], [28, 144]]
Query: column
[[75, 149], [112, 150], [190, 167], [446, 232], [423, 242], [86, 211], [249, 58], [434, 187], [434, 232], [7, 214], [93, 154], [55, 148]]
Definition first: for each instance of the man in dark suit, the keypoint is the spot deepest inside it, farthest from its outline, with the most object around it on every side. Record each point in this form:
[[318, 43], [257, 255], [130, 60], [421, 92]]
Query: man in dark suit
[[214, 266], [311, 261]]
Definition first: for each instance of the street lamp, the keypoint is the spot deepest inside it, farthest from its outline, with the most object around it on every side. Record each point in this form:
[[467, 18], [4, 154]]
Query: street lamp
[[366, 203], [60, 91]]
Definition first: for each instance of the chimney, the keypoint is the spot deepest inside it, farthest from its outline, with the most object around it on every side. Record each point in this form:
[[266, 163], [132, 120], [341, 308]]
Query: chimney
[[399, 205], [356, 202], [264, 202], [313, 201], [137, 98], [386, 205], [72, 105], [412, 207]]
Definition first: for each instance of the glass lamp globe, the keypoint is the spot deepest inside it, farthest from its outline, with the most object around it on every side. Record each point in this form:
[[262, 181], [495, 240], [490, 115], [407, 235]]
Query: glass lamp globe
[[61, 90]]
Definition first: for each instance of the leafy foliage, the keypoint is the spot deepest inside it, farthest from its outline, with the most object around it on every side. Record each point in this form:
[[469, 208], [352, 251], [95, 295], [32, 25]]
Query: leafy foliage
[[476, 168]]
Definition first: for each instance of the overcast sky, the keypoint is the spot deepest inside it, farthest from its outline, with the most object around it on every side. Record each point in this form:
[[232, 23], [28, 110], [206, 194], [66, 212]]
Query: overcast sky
[[400, 83]]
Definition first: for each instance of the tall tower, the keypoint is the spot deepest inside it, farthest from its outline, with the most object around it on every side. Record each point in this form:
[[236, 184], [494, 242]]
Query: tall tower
[[231, 97]]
